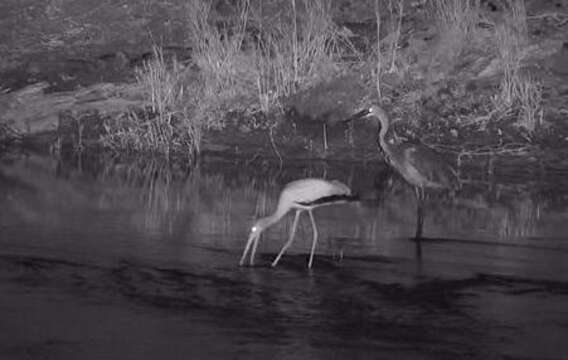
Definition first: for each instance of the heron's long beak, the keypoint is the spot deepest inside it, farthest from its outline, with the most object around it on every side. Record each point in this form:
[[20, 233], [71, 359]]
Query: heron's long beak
[[357, 115]]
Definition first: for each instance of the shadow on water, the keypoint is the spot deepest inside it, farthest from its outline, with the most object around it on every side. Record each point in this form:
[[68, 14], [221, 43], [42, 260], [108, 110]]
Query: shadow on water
[[146, 234]]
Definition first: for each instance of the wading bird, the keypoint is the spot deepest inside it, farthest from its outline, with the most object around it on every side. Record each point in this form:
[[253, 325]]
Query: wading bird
[[301, 195], [419, 165]]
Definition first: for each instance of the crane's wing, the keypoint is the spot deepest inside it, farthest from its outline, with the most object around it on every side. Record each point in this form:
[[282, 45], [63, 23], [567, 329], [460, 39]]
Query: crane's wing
[[308, 192]]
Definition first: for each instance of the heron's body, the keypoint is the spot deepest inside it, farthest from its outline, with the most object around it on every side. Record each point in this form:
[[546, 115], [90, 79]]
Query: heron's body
[[301, 195], [419, 165]]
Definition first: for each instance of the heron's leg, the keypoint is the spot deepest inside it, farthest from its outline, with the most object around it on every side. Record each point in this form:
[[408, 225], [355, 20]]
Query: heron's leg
[[419, 194], [290, 239], [315, 240], [325, 136], [419, 220]]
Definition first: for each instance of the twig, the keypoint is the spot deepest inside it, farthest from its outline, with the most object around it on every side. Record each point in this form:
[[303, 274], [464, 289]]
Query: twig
[[561, 18], [274, 146]]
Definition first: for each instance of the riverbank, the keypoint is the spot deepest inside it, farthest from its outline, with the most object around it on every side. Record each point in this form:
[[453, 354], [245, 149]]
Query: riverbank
[[498, 87]]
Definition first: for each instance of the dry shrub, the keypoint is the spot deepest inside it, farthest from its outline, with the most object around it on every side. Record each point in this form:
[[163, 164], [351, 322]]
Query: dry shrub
[[170, 125], [238, 72], [518, 91], [223, 67], [298, 51], [294, 50], [456, 22]]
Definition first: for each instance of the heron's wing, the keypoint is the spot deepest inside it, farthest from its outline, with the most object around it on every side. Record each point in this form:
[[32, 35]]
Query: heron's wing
[[430, 164]]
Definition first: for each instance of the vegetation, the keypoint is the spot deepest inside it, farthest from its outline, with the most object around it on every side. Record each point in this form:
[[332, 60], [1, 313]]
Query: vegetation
[[247, 65], [464, 34], [169, 125], [445, 68]]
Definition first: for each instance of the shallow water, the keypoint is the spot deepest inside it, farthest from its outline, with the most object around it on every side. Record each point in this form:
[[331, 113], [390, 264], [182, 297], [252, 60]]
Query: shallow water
[[139, 260]]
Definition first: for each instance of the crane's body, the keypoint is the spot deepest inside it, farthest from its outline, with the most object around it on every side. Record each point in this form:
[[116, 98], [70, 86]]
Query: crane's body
[[300, 195]]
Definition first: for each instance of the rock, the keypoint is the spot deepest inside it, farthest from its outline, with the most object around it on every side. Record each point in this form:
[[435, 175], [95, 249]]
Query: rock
[[31, 111]]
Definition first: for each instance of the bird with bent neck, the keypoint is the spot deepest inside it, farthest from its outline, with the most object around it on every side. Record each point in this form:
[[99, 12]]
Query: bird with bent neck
[[301, 195]]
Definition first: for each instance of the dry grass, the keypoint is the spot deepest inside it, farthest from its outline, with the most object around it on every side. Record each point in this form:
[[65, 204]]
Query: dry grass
[[296, 54], [517, 89], [456, 22], [170, 125], [238, 72], [396, 13], [386, 58], [245, 72]]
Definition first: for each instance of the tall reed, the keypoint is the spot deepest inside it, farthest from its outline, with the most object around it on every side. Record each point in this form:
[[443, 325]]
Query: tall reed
[[518, 89], [169, 126]]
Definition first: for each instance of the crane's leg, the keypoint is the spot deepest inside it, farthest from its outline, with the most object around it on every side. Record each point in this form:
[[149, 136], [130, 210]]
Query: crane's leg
[[290, 239], [253, 252], [247, 248], [315, 240]]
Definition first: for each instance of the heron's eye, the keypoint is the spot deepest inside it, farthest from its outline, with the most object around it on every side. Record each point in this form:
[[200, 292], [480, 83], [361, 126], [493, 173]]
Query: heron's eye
[[254, 229]]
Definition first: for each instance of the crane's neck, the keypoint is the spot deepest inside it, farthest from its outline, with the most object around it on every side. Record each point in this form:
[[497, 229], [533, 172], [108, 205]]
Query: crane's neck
[[270, 220]]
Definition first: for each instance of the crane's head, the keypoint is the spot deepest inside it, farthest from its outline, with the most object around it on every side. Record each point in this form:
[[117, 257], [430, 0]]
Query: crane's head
[[252, 241], [258, 227]]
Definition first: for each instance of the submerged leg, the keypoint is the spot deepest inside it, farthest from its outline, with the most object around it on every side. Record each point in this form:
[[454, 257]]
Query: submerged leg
[[290, 239], [325, 136], [315, 239], [419, 221], [419, 225]]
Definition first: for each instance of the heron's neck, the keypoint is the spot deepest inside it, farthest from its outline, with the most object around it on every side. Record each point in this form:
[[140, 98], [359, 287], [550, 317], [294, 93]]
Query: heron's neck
[[383, 131]]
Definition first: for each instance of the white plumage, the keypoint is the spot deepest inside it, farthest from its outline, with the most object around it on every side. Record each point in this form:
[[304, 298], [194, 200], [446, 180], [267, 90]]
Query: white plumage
[[304, 194]]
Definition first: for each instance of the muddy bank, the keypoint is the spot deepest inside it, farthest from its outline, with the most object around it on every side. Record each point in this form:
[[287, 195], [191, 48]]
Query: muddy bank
[[63, 82], [76, 120]]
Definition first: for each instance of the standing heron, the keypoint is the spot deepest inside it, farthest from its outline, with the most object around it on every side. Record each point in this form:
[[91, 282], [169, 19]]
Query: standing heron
[[301, 195], [419, 165]]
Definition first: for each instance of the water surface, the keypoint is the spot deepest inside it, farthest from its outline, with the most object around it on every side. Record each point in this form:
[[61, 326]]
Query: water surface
[[103, 258]]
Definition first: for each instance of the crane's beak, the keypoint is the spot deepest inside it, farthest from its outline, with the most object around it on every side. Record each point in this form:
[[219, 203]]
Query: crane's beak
[[250, 243], [357, 115]]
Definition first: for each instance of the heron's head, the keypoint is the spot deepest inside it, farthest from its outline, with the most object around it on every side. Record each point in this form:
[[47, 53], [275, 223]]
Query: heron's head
[[374, 112]]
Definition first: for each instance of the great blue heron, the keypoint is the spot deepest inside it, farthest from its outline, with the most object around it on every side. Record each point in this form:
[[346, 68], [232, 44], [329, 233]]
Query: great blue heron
[[419, 165], [301, 195]]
